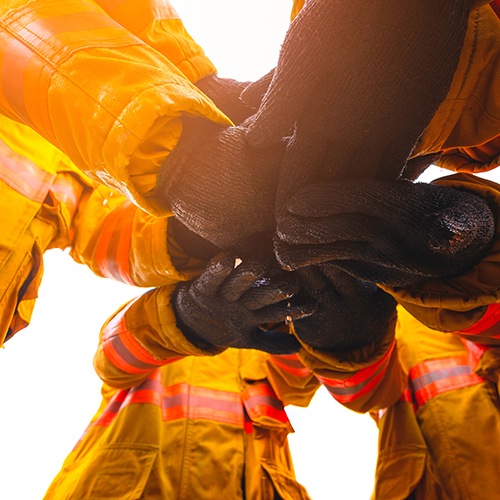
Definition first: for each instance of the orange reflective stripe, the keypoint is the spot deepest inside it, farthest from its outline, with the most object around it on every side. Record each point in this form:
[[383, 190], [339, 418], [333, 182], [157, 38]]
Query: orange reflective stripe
[[291, 364], [187, 401], [359, 384], [67, 190], [23, 175], [495, 5], [136, 15], [37, 39], [123, 350], [261, 401], [488, 325], [437, 376], [107, 416], [112, 252], [475, 352]]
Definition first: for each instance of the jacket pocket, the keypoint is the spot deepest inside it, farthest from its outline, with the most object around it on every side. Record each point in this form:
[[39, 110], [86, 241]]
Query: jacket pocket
[[117, 471]]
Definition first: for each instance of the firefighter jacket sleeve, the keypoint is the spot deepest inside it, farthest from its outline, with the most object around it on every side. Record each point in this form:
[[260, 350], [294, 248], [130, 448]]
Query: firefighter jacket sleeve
[[108, 100], [364, 379]]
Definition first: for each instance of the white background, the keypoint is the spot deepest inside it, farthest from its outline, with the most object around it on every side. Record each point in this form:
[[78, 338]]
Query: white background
[[49, 391]]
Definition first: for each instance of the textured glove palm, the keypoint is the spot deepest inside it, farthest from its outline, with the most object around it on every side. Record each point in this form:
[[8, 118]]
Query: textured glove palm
[[350, 313], [393, 233], [225, 305]]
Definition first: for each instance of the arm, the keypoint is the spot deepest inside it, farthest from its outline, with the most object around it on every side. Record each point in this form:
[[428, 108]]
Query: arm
[[53, 80]]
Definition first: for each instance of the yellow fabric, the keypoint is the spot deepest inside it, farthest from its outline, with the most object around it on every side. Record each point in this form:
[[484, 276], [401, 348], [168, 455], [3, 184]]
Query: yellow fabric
[[185, 458], [97, 92], [442, 452], [32, 226]]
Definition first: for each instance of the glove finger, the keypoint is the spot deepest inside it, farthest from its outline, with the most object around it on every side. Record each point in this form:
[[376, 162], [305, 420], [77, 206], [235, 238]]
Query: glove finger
[[314, 282], [313, 231], [217, 270], [246, 275], [373, 273], [274, 342], [254, 92], [286, 310], [269, 293]]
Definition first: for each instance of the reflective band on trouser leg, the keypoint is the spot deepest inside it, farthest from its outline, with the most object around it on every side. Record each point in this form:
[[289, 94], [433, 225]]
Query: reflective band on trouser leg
[[438, 376], [112, 252], [23, 176], [124, 351], [487, 326], [359, 384], [291, 364]]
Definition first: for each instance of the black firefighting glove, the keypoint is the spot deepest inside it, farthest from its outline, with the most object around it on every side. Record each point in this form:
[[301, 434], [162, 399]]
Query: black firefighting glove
[[217, 185], [225, 93], [356, 85], [225, 306], [350, 313], [392, 233]]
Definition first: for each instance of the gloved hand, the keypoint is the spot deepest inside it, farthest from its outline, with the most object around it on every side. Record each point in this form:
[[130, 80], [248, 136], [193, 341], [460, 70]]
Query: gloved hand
[[391, 233], [225, 305], [350, 313], [225, 93], [217, 185], [356, 85]]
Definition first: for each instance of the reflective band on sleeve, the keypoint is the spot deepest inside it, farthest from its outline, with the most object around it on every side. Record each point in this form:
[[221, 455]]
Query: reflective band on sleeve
[[153, 9], [438, 376], [67, 190], [291, 364], [37, 39], [261, 401], [112, 252], [495, 5], [359, 384], [475, 351], [124, 351], [23, 175], [488, 325]]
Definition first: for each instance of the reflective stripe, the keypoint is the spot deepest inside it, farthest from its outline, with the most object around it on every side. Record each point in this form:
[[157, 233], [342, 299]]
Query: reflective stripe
[[124, 351], [475, 352], [187, 401], [23, 175], [291, 364], [112, 252], [438, 376], [143, 393], [495, 5], [488, 325], [67, 190], [153, 9], [359, 384], [34, 49], [261, 401]]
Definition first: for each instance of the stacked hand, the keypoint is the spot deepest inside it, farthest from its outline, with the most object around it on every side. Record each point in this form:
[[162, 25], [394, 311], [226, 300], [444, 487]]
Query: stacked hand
[[393, 233], [225, 306], [350, 313]]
